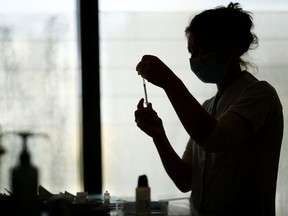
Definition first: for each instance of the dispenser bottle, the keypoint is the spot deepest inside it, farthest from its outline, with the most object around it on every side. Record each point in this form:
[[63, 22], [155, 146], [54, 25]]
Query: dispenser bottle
[[25, 183], [142, 205]]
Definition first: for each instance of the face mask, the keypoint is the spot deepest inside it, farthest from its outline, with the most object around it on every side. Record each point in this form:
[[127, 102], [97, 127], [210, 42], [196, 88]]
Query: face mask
[[207, 69]]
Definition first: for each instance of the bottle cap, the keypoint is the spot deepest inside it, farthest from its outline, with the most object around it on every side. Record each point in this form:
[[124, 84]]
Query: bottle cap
[[142, 181]]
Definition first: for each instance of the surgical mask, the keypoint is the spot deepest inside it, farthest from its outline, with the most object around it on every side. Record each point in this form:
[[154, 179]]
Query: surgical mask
[[207, 69]]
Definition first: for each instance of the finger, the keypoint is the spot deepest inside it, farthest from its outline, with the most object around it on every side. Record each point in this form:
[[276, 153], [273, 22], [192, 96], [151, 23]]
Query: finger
[[147, 121], [147, 57], [149, 105], [142, 63], [140, 104], [145, 75], [141, 117], [144, 114], [138, 66], [144, 119], [142, 69]]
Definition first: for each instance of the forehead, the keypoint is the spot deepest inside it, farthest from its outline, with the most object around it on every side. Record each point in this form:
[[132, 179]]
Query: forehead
[[191, 38], [205, 44], [192, 44], [191, 41]]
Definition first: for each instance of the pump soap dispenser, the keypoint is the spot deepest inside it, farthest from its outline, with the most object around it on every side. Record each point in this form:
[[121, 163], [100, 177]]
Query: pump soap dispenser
[[25, 182]]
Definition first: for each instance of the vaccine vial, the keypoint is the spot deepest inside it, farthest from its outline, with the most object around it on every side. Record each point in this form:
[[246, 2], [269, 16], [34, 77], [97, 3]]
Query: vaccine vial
[[107, 198]]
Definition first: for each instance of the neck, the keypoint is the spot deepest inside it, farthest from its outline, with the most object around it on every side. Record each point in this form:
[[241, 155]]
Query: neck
[[234, 71]]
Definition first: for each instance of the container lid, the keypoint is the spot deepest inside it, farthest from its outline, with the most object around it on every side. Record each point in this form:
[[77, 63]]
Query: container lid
[[143, 181]]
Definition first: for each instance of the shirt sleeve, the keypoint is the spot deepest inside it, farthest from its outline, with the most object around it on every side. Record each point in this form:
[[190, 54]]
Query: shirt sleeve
[[187, 155], [246, 116]]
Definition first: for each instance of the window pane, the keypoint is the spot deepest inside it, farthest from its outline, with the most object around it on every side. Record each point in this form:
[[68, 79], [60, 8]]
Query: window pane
[[131, 30], [39, 89]]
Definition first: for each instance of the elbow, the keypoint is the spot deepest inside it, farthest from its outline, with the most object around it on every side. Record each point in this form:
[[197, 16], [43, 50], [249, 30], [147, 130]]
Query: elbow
[[184, 188], [183, 181]]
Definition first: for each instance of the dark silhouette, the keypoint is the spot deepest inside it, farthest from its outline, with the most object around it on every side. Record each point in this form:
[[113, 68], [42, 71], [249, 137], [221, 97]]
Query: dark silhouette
[[230, 163]]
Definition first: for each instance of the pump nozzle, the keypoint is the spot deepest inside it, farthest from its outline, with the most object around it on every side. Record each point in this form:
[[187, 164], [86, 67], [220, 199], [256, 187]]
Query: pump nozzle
[[25, 156]]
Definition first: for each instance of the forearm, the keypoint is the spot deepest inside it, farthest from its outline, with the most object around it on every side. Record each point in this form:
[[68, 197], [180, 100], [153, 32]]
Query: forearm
[[195, 119], [178, 171]]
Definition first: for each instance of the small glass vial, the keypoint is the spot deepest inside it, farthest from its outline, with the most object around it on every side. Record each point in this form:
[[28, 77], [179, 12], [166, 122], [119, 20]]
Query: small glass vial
[[106, 198]]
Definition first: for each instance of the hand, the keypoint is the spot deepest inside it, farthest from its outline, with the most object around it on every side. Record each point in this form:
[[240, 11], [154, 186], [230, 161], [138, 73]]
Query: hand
[[147, 120], [154, 70]]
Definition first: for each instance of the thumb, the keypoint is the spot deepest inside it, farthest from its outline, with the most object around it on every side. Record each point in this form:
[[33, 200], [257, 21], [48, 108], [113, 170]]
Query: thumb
[[140, 104], [149, 105]]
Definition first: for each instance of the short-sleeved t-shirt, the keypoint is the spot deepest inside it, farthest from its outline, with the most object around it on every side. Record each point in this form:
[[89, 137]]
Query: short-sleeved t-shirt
[[235, 171]]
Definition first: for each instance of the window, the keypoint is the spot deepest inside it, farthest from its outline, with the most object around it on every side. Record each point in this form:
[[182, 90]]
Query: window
[[129, 29], [39, 90]]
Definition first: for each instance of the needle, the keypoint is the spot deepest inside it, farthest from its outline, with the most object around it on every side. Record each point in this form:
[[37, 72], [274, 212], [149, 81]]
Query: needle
[[145, 92]]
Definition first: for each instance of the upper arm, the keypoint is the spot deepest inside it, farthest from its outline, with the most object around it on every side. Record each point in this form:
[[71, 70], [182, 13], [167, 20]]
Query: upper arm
[[245, 117]]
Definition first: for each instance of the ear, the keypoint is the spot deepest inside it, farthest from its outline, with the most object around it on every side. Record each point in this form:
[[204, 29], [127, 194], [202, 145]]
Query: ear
[[229, 52]]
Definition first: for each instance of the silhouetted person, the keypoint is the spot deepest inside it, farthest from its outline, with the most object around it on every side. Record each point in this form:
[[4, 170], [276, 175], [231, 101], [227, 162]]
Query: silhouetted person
[[230, 163]]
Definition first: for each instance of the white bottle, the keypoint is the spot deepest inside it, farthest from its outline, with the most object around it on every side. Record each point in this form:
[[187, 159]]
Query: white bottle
[[142, 205]]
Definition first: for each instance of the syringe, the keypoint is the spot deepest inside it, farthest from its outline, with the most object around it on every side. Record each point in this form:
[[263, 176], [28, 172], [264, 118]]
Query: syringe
[[145, 92]]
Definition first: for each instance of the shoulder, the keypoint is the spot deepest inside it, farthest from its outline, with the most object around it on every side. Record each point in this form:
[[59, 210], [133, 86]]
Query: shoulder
[[249, 87], [262, 90], [259, 103]]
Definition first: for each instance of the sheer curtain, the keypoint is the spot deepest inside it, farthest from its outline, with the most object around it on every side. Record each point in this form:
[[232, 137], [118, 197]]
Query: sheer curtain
[[132, 28], [39, 90]]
